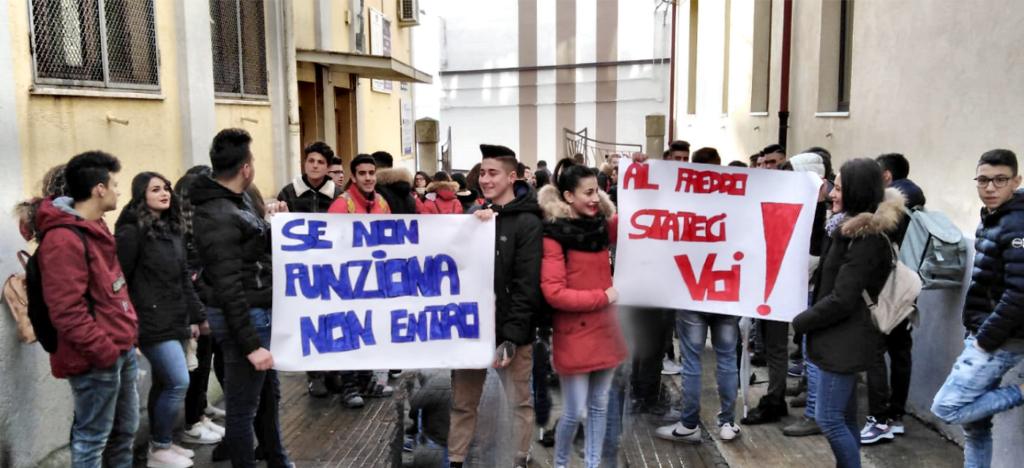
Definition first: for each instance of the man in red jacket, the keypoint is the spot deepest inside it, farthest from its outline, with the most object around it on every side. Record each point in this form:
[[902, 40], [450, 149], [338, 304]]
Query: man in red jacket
[[361, 196], [97, 331]]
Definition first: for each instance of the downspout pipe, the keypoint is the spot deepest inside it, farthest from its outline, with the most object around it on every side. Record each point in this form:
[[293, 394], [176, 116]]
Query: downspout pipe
[[787, 36], [672, 77]]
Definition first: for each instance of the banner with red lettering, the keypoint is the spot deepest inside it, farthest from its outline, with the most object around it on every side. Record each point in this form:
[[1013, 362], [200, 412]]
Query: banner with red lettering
[[719, 239]]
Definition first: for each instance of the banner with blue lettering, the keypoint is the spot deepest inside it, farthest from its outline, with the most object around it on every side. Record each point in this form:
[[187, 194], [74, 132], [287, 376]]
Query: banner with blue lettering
[[364, 292]]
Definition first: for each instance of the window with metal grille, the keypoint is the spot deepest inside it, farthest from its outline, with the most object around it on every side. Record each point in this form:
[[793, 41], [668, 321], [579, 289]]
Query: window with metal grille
[[95, 43], [239, 48]]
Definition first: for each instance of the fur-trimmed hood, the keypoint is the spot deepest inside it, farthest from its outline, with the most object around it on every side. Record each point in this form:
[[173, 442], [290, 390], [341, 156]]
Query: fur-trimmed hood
[[554, 207], [443, 187], [394, 175], [885, 218], [301, 187]]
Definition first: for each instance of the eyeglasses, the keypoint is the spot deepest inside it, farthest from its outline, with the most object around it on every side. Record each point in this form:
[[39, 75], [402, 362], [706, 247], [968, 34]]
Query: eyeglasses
[[336, 173], [999, 182]]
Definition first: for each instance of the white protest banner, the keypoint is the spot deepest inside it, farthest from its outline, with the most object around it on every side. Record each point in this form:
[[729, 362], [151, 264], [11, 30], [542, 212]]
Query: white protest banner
[[364, 292], [716, 239]]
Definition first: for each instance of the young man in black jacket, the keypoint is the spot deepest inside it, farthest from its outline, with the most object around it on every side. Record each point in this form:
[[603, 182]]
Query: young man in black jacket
[[889, 385], [993, 313], [314, 190], [519, 248], [394, 184], [234, 246]]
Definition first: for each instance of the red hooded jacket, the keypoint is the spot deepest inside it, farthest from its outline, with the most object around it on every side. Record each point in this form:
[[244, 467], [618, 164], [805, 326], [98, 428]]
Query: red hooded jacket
[[352, 201], [443, 201], [83, 343], [586, 336]]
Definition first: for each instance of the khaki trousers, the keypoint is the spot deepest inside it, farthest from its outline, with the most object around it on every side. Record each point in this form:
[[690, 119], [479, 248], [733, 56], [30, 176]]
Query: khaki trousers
[[467, 388]]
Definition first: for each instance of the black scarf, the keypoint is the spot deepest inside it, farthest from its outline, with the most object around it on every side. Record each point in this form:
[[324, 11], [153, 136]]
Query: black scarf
[[582, 234]]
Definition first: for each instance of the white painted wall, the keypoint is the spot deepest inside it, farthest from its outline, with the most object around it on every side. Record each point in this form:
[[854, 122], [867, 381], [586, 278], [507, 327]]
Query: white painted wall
[[483, 107]]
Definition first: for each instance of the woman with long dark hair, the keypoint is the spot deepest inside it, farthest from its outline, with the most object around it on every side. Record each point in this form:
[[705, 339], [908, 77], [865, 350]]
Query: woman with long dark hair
[[841, 338], [576, 279], [152, 254]]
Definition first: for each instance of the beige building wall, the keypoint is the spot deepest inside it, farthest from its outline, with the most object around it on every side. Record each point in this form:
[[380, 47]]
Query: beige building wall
[[254, 118], [382, 112], [378, 114], [935, 81], [54, 128]]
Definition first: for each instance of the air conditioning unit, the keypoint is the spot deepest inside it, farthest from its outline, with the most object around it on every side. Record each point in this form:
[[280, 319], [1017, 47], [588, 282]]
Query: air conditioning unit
[[408, 13]]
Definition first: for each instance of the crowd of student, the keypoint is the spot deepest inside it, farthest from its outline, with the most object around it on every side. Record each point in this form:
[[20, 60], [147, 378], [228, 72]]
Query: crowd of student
[[186, 281]]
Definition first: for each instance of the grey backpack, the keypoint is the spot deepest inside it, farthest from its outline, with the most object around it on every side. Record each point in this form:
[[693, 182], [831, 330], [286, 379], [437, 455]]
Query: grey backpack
[[934, 248]]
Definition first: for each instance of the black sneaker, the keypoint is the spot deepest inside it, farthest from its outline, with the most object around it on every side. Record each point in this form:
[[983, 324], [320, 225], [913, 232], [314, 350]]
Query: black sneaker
[[220, 452], [802, 428], [351, 399], [766, 412], [547, 437], [317, 387]]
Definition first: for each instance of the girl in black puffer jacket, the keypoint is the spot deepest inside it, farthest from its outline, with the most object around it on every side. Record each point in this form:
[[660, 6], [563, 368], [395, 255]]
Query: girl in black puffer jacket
[[841, 338], [152, 255]]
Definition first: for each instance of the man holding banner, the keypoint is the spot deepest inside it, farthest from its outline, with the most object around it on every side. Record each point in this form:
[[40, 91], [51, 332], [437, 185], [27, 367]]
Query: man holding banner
[[722, 236], [512, 204]]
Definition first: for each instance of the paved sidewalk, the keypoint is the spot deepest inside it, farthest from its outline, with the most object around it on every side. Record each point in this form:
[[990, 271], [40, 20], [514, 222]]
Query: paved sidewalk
[[320, 433]]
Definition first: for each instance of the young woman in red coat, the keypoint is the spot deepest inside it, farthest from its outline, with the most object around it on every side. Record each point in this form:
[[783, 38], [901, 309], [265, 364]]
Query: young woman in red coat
[[440, 198], [576, 278]]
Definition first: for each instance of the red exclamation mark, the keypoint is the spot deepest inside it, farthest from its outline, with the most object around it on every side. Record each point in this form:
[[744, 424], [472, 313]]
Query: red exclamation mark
[[779, 222]]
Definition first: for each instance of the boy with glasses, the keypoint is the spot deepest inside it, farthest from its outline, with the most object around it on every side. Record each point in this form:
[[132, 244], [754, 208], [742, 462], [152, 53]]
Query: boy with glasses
[[993, 313]]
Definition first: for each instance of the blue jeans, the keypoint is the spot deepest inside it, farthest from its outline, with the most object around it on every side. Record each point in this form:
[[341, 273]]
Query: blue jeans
[[972, 395], [613, 429], [252, 397], [106, 414], [836, 414], [167, 394], [693, 332], [811, 371], [583, 391]]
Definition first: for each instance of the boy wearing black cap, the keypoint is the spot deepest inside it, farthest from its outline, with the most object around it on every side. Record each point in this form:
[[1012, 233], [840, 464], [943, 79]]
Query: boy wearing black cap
[[513, 205]]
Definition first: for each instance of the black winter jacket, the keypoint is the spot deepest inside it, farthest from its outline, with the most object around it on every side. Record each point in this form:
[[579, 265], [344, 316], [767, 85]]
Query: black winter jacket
[[994, 309], [234, 247], [301, 198], [519, 248], [395, 185], [841, 337], [159, 281]]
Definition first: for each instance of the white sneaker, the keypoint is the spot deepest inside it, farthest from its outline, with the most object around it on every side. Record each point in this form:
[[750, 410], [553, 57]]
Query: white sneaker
[[679, 433], [212, 427], [729, 432], [215, 412], [167, 459], [199, 434], [183, 451], [669, 367]]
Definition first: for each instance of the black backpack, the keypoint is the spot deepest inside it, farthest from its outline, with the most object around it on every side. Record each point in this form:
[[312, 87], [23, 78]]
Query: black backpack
[[38, 312]]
